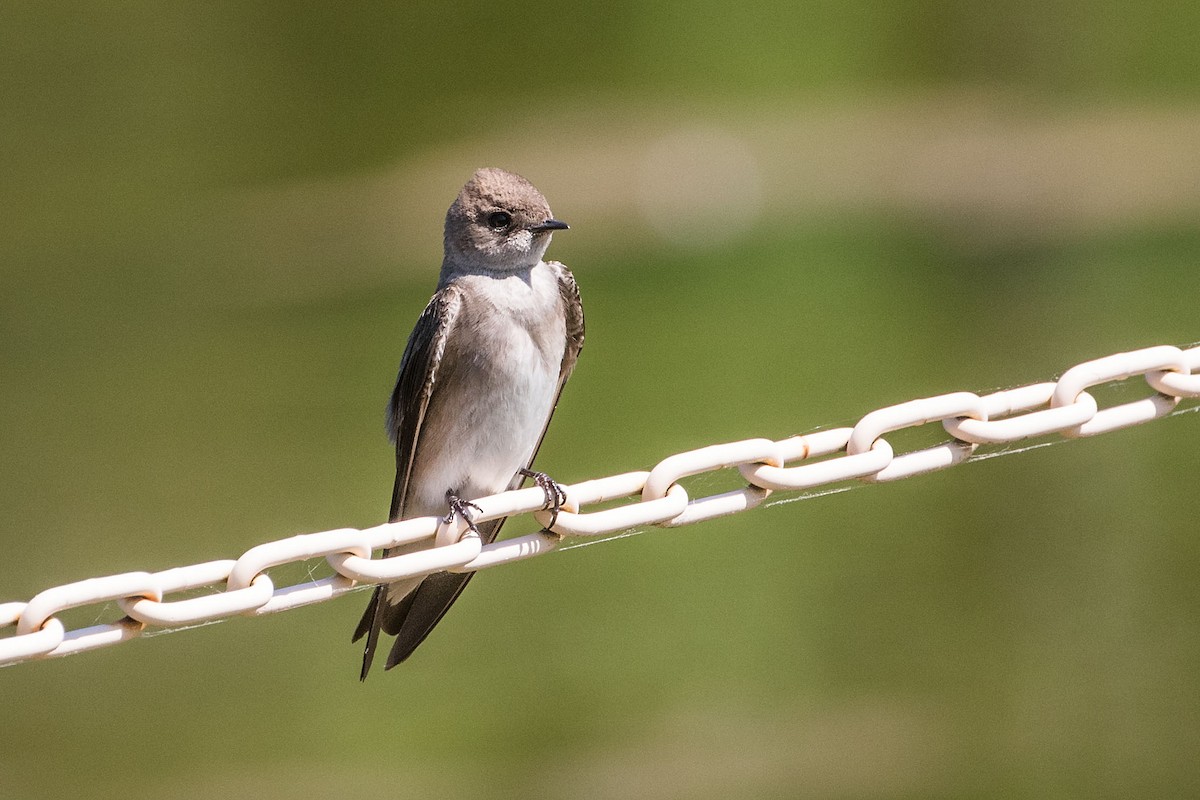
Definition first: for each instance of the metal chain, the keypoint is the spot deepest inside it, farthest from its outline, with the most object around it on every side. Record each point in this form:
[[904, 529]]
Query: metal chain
[[1064, 407]]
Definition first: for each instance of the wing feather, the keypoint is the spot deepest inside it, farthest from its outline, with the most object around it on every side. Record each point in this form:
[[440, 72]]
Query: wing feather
[[405, 416], [415, 385]]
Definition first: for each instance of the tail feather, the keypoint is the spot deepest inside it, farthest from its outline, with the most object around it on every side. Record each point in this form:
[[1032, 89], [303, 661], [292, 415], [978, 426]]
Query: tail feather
[[423, 610], [413, 615], [369, 626], [368, 617]]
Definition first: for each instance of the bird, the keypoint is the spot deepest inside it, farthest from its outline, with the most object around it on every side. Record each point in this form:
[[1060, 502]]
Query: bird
[[480, 377]]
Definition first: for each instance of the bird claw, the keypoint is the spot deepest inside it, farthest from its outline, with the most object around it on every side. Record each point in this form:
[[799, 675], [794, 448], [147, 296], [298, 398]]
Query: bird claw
[[556, 495], [461, 507]]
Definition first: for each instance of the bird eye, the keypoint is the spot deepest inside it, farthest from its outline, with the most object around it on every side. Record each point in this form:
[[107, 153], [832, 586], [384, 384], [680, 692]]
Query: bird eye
[[499, 220]]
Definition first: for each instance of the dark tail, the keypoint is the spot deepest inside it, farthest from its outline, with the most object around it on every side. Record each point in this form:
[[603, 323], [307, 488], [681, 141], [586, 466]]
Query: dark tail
[[411, 618], [369, 626], [421, 610]]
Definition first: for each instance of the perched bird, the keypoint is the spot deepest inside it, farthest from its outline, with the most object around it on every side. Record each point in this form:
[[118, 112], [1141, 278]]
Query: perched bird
[[479, 380]]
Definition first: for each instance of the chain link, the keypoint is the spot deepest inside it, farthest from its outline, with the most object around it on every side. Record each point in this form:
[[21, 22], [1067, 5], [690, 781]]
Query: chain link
[[1064, 407]]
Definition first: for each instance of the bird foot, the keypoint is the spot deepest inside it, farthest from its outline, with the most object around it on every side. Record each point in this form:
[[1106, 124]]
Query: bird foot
[[556, 495], [461, 507]]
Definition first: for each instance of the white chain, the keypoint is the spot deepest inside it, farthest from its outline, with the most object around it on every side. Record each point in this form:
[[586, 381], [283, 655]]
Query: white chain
[[1064, 407]]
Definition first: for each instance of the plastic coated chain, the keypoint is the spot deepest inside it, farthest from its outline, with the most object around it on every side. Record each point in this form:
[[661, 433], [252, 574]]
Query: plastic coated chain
[[1064, 407]]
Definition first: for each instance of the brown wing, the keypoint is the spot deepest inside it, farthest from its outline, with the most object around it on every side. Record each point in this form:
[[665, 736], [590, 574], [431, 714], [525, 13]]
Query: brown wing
[[414, 386], [568, 290], [405, 416]]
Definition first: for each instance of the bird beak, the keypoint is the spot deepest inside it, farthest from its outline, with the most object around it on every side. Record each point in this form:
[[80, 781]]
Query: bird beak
[[550, 225]]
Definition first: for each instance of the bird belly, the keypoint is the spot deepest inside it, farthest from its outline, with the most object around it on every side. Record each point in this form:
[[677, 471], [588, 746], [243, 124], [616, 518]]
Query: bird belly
[[483, 426]]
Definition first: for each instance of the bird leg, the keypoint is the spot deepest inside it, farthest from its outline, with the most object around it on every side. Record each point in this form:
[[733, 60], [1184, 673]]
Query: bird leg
[[556, 495], [461, 507]]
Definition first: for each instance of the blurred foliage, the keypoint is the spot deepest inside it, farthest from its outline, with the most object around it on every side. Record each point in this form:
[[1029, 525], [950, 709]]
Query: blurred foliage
[[1025, 627]]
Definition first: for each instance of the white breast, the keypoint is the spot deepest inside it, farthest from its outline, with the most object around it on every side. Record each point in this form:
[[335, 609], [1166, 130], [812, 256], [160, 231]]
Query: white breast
[[506, 393]]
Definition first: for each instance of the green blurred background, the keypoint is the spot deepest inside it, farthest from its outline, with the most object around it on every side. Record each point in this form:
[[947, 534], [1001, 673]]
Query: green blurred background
[[220, 221]]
